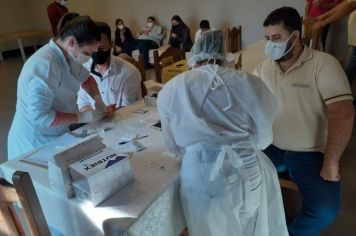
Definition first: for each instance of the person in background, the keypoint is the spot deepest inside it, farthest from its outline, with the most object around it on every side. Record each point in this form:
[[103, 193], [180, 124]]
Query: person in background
[[48, 85], [313, 121], [315, 8], [180, 35], [150, 37], [55, 11], [119, 82], [219, 119], [343, 9], [204, 26], [124, 41]]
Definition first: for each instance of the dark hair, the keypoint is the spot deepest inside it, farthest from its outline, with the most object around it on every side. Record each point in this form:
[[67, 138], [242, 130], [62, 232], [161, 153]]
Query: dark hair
[[178, 19], [151, 18], [82, 28], [287, 16], [117, 21], [65, 19], [104, 29], [204, 24]]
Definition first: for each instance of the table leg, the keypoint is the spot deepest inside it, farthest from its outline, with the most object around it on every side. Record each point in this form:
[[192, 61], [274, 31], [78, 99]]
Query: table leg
[[21, 49]]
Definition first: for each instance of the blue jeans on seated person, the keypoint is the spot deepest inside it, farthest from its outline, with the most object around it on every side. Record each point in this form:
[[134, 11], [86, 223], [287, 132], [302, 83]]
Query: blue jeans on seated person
[[321, 198], [350, 67], [144, 46]]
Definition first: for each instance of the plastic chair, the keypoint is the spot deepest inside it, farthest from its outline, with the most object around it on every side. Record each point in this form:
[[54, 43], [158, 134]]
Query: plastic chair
[[170, 52]]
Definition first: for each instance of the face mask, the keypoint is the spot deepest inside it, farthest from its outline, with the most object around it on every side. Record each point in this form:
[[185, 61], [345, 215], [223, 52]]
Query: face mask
[[120, 27], [63, 3], [81, 59], [276, 51], [149, 25], [100, 57]]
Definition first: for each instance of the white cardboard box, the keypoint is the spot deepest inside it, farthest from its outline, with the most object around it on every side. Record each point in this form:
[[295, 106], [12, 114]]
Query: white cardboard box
[[98, 176]]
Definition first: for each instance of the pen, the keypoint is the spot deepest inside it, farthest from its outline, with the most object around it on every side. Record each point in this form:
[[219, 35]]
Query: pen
[[124, 142]]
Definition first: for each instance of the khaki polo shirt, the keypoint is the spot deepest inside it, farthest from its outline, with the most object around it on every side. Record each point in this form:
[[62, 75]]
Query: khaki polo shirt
[[352, 29], [314, 81]]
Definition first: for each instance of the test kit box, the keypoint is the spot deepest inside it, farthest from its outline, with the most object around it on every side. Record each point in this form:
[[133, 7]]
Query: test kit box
[[101, 174]]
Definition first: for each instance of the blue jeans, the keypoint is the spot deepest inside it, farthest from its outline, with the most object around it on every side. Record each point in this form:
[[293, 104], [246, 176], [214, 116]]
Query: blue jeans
[[350, 68], [321, 198], [144, 46]]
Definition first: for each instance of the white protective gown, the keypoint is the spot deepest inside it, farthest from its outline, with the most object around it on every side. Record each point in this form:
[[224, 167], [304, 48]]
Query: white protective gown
[[228, 186], [47, 83]]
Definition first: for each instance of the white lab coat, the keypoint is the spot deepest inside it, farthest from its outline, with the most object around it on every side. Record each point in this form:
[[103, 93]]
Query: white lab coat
[[47, 83], [228, 186], [120, 85]]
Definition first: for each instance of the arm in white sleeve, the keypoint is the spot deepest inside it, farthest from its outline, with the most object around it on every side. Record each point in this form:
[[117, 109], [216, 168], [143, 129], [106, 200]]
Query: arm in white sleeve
[[131, 89], [164, 107], [40, 100], [84, 100]]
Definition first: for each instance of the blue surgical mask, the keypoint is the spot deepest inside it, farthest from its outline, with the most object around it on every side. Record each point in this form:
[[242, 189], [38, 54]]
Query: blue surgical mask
[[276, 51]]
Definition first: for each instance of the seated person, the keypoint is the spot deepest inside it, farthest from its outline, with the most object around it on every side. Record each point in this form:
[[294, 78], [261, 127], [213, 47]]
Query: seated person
[[204, 27], [220, 119], [150, 37], [118, 81], [124, 41], [180, 35]]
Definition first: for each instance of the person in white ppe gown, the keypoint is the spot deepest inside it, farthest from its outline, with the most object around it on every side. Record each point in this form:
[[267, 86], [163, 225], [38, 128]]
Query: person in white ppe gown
[[219, 119], [48, 85]]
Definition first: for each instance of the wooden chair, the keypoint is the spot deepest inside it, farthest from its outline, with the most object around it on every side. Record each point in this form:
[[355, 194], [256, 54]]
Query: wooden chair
[[22, 192], [170, 52], [238, 63], [140, 65], [292, 199], [316, 39], [234, 39]]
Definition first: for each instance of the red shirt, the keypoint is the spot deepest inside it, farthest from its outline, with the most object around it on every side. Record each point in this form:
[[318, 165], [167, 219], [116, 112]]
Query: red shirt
[[55, 12], [317, 11]]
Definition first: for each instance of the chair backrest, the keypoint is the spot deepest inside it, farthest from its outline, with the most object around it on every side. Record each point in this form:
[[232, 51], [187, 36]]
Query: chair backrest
[[140, 65], [22, 192], [316, 39], [234, 39], [170, 52], [238, 63]]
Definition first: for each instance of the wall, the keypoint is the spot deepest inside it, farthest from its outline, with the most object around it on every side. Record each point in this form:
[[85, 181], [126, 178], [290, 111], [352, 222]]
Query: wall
[[13, 15], [221, 14]]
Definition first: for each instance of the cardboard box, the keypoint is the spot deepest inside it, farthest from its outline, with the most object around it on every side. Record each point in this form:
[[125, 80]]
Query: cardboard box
[[98, 176], [58, 166]]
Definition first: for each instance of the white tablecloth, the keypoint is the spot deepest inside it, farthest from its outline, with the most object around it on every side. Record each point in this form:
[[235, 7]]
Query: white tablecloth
[[148, 206]]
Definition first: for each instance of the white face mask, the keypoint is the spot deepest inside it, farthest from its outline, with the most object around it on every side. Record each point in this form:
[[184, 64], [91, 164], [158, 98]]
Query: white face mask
[[63, 2], [149, 25], [276, 51], [81, 59], [120, 27]]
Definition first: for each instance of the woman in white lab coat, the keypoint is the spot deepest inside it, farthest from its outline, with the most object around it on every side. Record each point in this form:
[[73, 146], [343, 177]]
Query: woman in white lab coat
[[219, 119], [48, 86]]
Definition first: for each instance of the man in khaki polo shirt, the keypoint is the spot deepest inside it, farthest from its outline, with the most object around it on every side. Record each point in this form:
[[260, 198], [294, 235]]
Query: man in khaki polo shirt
[[314, 118]]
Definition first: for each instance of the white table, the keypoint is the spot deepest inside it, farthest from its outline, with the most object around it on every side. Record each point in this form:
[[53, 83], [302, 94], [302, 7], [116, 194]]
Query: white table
[[148, 206]]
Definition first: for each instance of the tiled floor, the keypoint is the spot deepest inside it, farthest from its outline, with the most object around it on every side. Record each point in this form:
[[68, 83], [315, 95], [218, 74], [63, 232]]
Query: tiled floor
[[345, 225]]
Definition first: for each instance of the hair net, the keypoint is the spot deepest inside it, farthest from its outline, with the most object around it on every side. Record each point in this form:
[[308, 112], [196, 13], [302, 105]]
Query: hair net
[[209, 46]]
